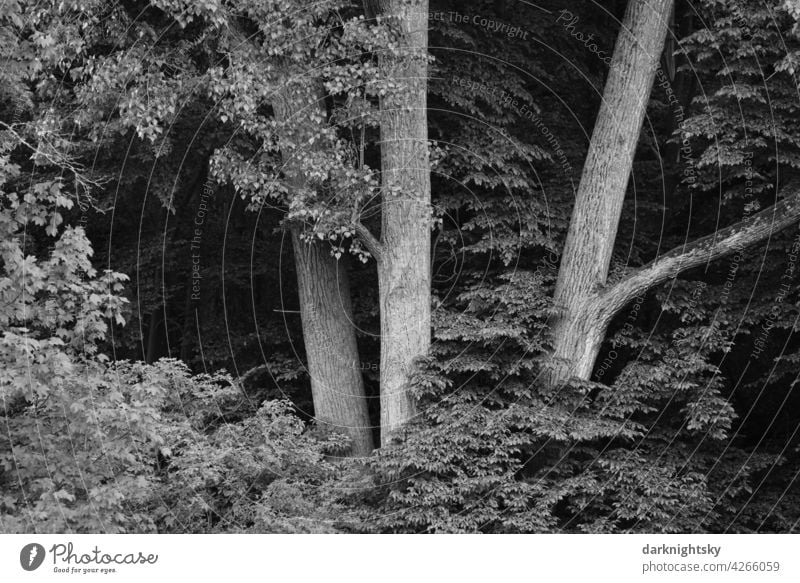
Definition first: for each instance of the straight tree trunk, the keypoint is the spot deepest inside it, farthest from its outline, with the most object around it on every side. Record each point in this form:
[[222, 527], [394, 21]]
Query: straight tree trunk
[[598, 205], [404, 260], [337, 386]]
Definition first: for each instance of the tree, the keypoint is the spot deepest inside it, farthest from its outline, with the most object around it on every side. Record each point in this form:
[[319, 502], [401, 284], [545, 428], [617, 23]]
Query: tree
[[323, 282], [404, 250], [584, 303], [281, 99], [686, 422]]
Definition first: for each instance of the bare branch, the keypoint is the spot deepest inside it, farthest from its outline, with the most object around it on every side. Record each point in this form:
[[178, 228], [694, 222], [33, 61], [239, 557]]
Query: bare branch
[[245, 378], [730, 240]]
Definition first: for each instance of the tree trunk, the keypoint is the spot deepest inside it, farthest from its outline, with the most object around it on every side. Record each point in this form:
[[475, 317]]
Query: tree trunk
[[152, 335], [577, 334], [330, 342], [404, 264], [585, 305], [337, 386]]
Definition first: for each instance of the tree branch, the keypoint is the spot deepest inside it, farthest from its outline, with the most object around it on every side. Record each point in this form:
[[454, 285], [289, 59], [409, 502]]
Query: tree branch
[[55, 158], [372, 244], [730, 240], [245, 378]]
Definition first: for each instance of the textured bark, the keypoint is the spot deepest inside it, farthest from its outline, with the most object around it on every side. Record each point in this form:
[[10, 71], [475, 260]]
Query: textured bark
[[598, 204], [586, 305], [589, 327], [733, 239], [373, 8], [404, 257], [330, 342], [337, 386]]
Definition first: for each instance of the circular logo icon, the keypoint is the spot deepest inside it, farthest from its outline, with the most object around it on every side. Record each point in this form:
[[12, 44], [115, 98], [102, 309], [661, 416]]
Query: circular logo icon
[[31, 556]]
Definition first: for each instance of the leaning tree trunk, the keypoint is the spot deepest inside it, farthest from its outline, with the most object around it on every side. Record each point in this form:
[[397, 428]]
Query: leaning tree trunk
[[585, 304], [577, 331], [404, 261], [337, 386], [330, 342]]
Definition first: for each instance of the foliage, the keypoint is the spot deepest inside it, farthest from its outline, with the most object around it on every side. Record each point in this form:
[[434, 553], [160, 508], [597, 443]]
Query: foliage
[[121, 122]]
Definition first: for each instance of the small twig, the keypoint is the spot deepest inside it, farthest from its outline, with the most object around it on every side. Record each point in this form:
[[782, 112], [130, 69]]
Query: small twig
[[61, 161]]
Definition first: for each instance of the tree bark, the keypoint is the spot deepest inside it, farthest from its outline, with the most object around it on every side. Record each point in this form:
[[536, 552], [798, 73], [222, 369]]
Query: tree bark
[[374, 8], [733, 239], [404, 249], [593, 228], [337, 386], [585, 304], [600, 307]]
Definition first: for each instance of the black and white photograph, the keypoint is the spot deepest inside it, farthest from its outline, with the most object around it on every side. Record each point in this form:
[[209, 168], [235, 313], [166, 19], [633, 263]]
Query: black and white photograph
[[277, 270]]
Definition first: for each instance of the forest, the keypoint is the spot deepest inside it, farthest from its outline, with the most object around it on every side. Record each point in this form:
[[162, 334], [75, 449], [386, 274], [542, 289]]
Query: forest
[[399, 266]]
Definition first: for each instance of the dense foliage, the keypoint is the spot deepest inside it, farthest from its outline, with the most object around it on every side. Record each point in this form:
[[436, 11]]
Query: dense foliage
[[153, 375]]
